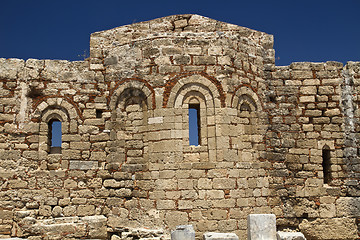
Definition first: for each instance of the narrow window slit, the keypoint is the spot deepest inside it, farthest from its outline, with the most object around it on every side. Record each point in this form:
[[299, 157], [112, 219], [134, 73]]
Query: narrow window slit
[[55, 136], [194, 124], [99, 113], [326, 165]]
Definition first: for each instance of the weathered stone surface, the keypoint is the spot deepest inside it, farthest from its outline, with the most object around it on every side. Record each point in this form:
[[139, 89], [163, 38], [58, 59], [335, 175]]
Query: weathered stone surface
[[220, 236], [261, 226], [83, 165], [271, 139], [290, 236], [183, 232], [348, 206], [336, 228]]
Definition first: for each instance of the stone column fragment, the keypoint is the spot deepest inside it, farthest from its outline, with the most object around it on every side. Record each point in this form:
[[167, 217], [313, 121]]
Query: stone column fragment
[[183, 232], [290, 236], [220, 236], [261, 227]]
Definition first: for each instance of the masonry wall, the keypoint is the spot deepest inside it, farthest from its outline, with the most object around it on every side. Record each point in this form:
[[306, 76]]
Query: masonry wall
[[126, 162], [315, 109]]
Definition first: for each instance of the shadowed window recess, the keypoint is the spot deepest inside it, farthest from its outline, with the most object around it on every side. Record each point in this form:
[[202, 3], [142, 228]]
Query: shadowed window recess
[[326, 164], [55, 136], [194, 124]]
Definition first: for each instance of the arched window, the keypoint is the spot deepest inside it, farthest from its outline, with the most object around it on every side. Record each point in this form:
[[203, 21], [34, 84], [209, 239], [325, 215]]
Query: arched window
[[195, 106], [194, 124], [246, 104], [245, 107], [326, 164], [54, 136]]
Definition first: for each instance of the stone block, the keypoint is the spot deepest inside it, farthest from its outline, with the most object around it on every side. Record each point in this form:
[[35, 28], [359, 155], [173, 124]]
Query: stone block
[[183, 232], [220, 236], [97, 226], [334, 228], [348, 207], [204, 60], [290, 236], [261, 226], [175, 217], [154, 120], [83, 165]]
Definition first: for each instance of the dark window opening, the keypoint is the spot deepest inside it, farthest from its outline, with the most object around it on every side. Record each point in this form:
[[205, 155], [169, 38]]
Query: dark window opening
[[99, 113], [194, 124], [55, 136], [326, 165], [245, 107]]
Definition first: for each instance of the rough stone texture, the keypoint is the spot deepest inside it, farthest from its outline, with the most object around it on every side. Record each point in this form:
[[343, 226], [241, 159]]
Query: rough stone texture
[[125, 153], [261, 226], [220, 236], [336, 228], [183, 232], [290, 236]]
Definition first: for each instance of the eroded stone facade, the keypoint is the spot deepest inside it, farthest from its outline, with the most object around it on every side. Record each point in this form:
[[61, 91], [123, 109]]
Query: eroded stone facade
[[280, 140]]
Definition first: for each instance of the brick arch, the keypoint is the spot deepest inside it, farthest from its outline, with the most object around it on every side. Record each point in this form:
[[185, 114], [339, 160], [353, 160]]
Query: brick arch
[[52, 112], [55, 101], [192, 88], [200, 79], [245, 93], [135, 83]]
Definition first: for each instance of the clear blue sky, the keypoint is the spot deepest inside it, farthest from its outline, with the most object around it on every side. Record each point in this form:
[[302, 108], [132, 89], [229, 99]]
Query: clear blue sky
[[304, 30]]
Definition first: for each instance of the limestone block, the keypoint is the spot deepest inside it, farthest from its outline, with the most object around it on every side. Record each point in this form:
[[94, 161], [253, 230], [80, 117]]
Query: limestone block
[[348, 206], [224, 183], [85, 210], [98, 156], [154, 120], [307, 99], [83, 165], [204, 183], [112, 183], [290, 236], [165, 204], [183, 232], [80, 145], [204, 60], [172, 218], [308, 90], [17, 183], [6, 215], [13, 238], [97, 226], [215, 214], [220, 236], [261, 226], [335, 228]]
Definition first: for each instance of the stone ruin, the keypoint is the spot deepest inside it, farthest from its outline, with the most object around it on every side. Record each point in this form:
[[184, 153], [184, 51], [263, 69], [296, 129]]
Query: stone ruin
[[272, 139]]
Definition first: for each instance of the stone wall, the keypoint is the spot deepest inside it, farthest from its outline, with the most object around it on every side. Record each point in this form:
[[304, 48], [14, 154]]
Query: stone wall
[[125, 161]]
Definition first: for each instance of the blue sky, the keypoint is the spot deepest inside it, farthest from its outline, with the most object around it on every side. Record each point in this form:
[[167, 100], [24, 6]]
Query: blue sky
[[303, 30]]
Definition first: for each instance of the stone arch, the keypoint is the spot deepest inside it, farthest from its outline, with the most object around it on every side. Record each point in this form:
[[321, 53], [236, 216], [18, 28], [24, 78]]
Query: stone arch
[[195, 91], [208, 86], [49, 115], [54, 111], [129, 105], [131, 96], [192, 89], [133, 83], [194, 97], [245, 98], [57, 102], [250, 119]]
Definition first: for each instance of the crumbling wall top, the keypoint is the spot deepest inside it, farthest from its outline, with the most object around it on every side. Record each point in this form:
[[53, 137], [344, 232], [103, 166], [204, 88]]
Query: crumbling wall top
[[175, 25]]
